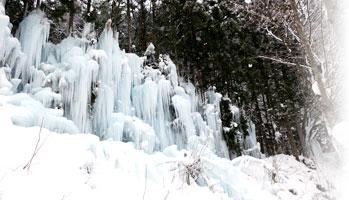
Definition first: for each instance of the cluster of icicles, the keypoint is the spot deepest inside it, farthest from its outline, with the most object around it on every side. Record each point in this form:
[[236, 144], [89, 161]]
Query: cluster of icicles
[[108, 92]]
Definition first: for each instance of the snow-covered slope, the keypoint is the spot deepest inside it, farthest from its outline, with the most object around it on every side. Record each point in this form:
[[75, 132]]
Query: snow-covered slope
[[80, 166]]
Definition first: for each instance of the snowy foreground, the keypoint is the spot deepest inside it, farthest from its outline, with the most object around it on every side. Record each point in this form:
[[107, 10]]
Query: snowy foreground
[[80, 166]]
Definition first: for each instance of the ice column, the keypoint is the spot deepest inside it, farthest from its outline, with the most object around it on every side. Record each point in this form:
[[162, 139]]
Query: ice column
[[33, 33]]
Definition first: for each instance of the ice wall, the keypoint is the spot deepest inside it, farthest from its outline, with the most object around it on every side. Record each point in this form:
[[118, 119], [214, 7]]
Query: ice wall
[[113, 94], [33, 34], [10, 49]]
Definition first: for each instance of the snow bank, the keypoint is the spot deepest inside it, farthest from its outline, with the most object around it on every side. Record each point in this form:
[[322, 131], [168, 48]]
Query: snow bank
[[27, 112], [82, 167], [285, 177], [338, 172]]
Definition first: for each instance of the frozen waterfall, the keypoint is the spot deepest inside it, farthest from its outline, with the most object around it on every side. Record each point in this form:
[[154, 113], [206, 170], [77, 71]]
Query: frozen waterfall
[[108, 92]]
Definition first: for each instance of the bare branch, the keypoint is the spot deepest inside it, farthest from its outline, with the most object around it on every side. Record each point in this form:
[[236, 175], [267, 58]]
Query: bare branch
[[36, 149], [145, 181], [278, 60], [273, 35]]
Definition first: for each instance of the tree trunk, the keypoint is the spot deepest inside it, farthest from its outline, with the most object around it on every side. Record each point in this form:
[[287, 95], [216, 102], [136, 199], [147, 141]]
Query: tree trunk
[[28, 6], [302, 132], [71, 23], [38, 3], [143, 29], [88, 9], [128, 13], [72, 10], [260, 130], [328, 106]]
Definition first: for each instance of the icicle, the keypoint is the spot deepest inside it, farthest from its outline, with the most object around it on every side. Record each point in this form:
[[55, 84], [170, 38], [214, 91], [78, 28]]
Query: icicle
[[135, 64], [103, 111], [107, 91], [212, 114], [140, 133], [251, 144], [33, 33], [128, 128], [185, 122], [4, 34], [149, 100], [76, 84], [162, 127], [2, 9], [124, 96], [10, 49], [116, 130], [194, 99], [5, 85], [106, 42], [173, 73], [37, 77]]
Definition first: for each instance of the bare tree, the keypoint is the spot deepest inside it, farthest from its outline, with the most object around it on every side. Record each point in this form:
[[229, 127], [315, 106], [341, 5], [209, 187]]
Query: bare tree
[[312, 61]]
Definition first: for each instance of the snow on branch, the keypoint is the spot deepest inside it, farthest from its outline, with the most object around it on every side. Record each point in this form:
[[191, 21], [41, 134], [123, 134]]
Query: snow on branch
[[282, 61], [273, 35]]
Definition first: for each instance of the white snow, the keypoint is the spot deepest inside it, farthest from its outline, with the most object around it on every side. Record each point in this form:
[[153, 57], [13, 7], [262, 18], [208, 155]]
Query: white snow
[[82, 167], [338, 172], [150, 50]]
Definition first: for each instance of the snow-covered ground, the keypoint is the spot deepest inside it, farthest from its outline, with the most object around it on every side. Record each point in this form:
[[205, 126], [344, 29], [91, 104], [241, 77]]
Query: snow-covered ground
[[339, 172], [80, 166]]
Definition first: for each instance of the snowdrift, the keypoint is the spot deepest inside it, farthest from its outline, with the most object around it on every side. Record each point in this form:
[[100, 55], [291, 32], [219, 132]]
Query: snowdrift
[[80, 166]]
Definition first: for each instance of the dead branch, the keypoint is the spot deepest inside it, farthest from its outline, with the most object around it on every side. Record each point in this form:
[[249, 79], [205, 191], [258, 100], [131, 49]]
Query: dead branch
[[145, 181], [36, 149], [283, 62]]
